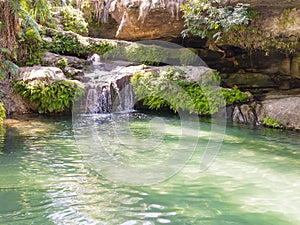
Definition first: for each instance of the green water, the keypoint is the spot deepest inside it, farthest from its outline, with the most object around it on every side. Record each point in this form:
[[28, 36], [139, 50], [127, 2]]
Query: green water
[[45, 178]]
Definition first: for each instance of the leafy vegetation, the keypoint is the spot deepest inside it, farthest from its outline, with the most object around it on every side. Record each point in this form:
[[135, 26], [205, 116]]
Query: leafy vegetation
[[6, 66], [2, 112], [31, 48], [234, 95], [236, 25], [68, 44], [39, 10], [271, 122], [167, 89], [57, 97], [62, 63], [99, 48], [205, 18], [73, 20]]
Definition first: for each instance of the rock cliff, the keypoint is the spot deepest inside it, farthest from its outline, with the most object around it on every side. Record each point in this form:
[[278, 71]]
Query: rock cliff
[[162, 19]]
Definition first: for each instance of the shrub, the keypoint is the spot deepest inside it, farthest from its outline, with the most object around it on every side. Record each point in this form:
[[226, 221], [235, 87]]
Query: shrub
[[56, 97], [68, 44], [31, 48], [73, 20], [205, 18], [65, 44], [168, 89]]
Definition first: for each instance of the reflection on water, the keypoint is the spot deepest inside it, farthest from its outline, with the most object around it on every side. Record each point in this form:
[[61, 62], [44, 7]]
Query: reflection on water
[[44, 178]]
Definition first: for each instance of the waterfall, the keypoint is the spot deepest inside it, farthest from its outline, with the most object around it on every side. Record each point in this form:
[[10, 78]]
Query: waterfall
[[108, 88]]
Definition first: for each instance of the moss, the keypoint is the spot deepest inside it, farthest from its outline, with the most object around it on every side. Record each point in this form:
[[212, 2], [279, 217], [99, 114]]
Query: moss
[[99, 48], [188, 57], [271, 122], [69, 44], [146, 54], [56, 97], [167, 89]]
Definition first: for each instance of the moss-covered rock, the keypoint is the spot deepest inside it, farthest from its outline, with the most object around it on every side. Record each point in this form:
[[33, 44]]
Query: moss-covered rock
[[47, 89], [169, 88]]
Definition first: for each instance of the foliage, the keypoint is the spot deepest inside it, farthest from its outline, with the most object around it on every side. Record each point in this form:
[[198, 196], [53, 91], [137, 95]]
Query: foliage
[[73, 20], [149, 55], [2, 112], [271, 122], [234, 95], [168, 89], [57, 97], [62, 63], [69, 44], [99, 48], [255, 38], [236, 25], [65, 44], [31, 48], [39, 10], [205, 18], [6, 66]]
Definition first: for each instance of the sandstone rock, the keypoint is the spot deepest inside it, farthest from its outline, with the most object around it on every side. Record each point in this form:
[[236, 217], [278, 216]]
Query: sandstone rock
[[200, 74], [244, 114], [284, 109], [162, 19], [73, 73], [14, 103], [52, 59], [48, 74], [250, 80], [141, 19]]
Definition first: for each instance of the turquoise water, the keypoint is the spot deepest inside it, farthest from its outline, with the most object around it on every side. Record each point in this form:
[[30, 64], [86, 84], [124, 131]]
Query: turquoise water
[[47, 177]]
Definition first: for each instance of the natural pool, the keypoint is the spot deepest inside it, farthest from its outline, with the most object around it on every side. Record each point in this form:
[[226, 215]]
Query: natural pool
[[46, 179]]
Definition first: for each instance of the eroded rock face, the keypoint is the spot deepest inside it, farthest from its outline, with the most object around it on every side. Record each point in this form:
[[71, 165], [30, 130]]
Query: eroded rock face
[[144, 20], [14, 103], [162, 19]]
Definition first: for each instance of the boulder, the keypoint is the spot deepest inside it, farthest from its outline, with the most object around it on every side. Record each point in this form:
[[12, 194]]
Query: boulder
[[283, 108], [244, 114], [14, 103], [52, 59], [48, 74]]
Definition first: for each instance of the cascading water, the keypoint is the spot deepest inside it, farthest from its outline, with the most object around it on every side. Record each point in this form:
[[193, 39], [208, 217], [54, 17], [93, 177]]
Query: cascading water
[[108, 87]]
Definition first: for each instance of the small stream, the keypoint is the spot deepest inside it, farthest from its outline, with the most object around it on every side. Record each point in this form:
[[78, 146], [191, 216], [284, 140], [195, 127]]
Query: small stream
[[45, 177]]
